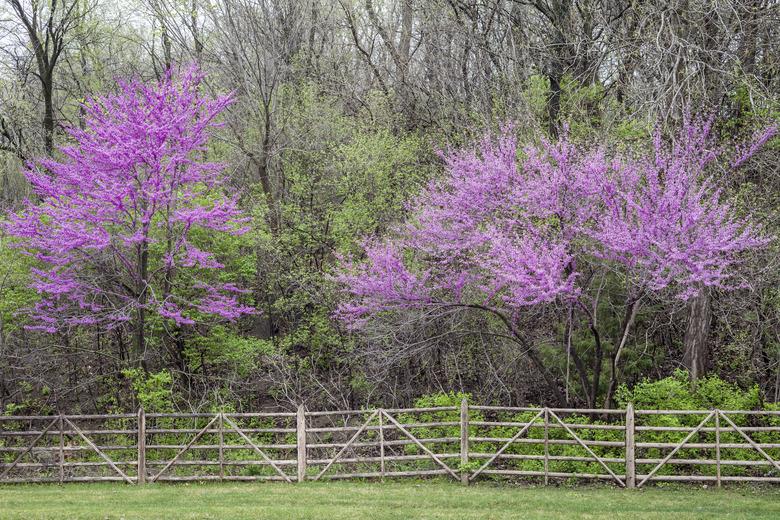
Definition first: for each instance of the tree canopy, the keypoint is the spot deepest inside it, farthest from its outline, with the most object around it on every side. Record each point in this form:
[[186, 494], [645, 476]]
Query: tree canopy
[[262, 203]]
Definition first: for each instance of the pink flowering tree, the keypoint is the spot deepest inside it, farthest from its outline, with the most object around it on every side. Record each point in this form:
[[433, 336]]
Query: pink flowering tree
[[516, 238], [113, 224]]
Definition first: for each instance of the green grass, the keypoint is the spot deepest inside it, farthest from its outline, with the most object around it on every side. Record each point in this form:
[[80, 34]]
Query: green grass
[[358, 500]]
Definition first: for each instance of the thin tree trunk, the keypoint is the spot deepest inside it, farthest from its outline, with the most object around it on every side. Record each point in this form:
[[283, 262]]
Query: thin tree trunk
[[263, 325], [143, 264], [196, 38], [598, 357], [579, 366], [554, 105], [696, 349], [628, 322], [48, 117], [777, 380]]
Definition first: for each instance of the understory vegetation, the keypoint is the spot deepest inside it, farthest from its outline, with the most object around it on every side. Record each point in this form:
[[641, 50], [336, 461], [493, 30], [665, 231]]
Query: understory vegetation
[[606, 440]]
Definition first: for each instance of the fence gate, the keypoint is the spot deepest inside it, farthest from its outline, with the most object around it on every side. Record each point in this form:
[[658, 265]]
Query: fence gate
[[63, 427], [349, 443], [420, 445], [224, 419], [665, 460], [545, 414], [181, 452], [96, 449], [384, 421], [225, 425], [594, 457], [503, 448], [30, 448]]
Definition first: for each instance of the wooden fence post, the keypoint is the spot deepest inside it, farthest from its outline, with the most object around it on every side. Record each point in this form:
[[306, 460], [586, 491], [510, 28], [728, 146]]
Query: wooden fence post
[[381, 445], [546, 445], [464, 441], [221, 446], [62, 450], [301, 437], [717, 446], [141, 446], [630, 447]]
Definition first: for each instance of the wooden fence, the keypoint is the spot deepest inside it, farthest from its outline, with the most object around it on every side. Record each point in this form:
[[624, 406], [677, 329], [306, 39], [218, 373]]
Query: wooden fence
[[629, 448]]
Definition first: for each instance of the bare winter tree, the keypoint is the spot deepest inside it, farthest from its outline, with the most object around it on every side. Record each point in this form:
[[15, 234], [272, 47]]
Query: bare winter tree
[[46, 28], [182, 29]]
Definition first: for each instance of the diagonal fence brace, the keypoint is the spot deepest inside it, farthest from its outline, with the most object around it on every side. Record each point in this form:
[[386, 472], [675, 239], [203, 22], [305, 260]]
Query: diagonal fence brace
[[184, 449], [505, 446], [254, 447]]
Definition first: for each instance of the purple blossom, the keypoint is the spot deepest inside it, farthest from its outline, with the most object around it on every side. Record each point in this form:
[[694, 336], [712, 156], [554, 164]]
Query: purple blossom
[[134, 184], [505, 234]]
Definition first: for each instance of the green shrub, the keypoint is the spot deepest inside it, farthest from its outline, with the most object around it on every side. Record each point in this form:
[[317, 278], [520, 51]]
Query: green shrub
[[676, 392], [153, 390]]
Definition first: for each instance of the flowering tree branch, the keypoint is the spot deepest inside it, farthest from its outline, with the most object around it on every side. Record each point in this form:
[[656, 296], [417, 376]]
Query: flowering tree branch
[[114, 222], [504, 235]]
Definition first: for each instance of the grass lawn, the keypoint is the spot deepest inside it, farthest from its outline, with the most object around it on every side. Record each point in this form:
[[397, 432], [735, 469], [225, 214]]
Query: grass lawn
[[358, 500]]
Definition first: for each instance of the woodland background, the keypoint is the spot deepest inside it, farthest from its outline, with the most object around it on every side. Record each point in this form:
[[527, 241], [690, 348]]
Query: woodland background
[[340, 107]]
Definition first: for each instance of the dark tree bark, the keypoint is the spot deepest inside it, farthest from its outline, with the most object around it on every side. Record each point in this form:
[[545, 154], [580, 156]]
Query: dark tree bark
[[47, 30], [556, 13], [696, 348]]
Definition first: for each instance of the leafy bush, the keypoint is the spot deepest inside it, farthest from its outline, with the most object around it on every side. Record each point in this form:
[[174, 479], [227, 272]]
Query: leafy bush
[[672, 393], [153, 390], [676, 392]]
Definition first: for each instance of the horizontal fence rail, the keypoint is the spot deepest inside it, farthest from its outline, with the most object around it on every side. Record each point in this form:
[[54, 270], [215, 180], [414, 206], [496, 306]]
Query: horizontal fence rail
[[628, 448]]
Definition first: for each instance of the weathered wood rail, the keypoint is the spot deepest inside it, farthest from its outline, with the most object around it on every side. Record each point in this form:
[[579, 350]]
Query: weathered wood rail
[[629, 448]]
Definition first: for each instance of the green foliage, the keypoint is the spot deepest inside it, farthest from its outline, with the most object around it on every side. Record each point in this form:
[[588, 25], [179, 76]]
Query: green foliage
[[537, 91], [678, 393], [223, 347], [749, 111], [581, 106], [152, 390], [352, 183], [350, 178], [587, 110], [605, 434], [441, 399], [14, 291]]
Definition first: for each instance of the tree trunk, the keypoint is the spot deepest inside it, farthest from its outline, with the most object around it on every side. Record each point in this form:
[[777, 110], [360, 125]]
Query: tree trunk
[[579, 366], [166, 45], [632, 306], [405, 43], [143, 264], [140, 337], [3, 389], [263, 325], [557, 13], [696, 351], [48, 114], [554, 105], [196, 38]]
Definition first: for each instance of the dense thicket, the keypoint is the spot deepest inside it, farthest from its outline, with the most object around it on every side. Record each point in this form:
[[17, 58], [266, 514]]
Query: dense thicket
[[339, 107]]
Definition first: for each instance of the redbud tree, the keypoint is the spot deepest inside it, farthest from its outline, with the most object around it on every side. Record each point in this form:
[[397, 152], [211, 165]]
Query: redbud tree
[[508, 237], [113, 223]]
